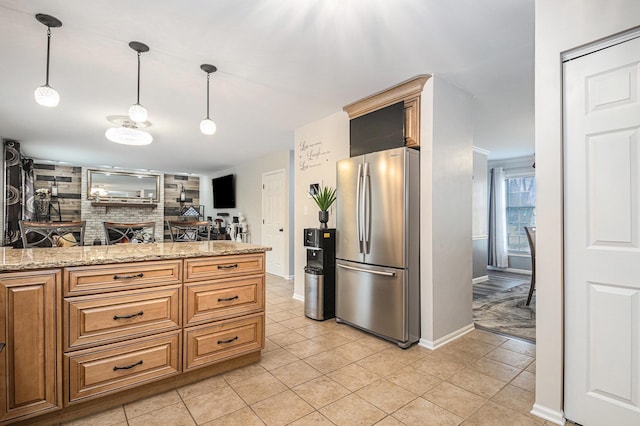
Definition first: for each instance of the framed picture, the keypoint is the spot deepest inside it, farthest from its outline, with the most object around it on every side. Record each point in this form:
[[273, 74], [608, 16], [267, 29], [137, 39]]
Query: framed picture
[[314, 188]]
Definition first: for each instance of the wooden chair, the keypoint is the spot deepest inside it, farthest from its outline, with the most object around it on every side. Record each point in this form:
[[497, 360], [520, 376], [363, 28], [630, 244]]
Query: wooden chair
[[189, 230], [531, 236], [52, 234], [116, 233]]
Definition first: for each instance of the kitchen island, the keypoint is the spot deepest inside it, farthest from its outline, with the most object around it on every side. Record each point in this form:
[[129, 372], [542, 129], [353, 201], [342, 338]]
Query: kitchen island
[[88, 328]]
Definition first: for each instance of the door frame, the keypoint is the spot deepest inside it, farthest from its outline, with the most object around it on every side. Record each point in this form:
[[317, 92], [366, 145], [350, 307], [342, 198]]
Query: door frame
[[285, 225]]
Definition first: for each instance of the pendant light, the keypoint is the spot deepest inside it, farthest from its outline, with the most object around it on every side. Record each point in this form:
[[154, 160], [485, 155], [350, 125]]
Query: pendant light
[[127, 132], [137, 112], [207, 126], [46, 95]]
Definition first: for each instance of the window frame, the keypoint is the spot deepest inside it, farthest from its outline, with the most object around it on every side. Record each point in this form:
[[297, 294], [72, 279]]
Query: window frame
[[515, 175]]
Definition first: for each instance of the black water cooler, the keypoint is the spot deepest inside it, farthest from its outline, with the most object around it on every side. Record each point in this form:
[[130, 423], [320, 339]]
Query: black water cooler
[[320, 273]]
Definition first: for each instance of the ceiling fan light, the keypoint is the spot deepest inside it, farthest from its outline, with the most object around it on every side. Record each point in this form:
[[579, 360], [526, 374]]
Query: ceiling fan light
[[47, 96], [138, 113], [207, 126], [128, 136]]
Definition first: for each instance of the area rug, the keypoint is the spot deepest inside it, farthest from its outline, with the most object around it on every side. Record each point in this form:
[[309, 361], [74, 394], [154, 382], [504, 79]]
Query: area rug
[[505, 312]]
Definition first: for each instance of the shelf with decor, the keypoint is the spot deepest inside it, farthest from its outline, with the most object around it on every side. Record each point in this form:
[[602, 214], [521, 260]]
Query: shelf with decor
[[122, 204]]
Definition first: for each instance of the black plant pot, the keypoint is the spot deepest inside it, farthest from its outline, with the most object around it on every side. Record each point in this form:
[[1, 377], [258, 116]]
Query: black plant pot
[[323, 217]]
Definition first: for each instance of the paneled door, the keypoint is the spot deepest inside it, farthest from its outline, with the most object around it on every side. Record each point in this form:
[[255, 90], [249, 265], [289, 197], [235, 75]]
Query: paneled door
[[602, 236], [273, 217]]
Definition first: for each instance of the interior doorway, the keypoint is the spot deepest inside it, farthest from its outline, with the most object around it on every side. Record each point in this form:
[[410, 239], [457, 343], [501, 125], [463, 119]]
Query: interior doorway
[[273, 220], [506, 194]]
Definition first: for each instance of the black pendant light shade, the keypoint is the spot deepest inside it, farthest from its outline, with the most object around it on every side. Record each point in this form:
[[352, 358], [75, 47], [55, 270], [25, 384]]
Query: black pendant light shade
[[46, 95]]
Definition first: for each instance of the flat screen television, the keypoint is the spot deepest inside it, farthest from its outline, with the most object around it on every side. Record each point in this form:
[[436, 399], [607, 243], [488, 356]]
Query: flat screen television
[[224, 192], [377, 131]]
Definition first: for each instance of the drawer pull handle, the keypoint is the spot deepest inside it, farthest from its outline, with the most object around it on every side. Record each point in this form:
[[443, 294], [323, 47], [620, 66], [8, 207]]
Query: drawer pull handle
[[235, 265], [227, 299], [2, 345], [126, 277], [127, 367], [137, 314], [220, 342]]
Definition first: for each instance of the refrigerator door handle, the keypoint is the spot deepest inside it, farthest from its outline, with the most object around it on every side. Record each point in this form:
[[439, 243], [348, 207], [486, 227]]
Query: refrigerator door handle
[[359, 209], [366, 203], [385, 273]]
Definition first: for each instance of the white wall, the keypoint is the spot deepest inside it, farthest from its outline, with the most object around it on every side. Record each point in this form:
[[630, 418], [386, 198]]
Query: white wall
[[318, 146], [249, 196], [446, 167], [560, 26]]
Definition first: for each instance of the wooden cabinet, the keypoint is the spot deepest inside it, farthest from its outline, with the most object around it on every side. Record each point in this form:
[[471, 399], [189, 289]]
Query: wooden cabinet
[[94, 336], [30, 383], [408, 92]]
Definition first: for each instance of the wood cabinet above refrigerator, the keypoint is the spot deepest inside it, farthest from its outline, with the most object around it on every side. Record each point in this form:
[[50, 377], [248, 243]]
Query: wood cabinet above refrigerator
[[408, 92]]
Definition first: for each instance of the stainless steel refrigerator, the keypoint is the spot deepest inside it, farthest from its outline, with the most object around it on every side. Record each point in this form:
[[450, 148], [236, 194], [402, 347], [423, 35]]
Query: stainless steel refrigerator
[[377, 244]]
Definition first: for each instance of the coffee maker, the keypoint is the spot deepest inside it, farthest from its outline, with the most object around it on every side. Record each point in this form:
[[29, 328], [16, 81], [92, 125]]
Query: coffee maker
[[320, 273]]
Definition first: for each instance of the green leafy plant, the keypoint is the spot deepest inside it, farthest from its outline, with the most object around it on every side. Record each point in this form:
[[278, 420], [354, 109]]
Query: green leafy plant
[[324, 198]]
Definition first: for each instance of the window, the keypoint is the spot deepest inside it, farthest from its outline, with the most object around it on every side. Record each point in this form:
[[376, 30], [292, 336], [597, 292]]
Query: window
[[521, 211]]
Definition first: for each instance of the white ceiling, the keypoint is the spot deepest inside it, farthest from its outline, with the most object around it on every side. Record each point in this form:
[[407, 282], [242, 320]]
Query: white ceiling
[[281, 64]]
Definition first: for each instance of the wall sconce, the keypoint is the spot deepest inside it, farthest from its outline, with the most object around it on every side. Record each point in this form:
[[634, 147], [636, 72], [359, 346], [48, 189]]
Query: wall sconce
[[54, 188], [183, 195]]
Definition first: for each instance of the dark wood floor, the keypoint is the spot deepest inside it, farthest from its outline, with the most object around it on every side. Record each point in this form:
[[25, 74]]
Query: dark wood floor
[[498, 281]]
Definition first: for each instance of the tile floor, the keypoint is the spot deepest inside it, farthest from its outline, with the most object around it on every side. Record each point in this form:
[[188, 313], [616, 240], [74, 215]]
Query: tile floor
[[324, 373]]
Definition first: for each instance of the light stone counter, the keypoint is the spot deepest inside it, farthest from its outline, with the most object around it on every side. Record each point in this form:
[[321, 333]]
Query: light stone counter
[[59, 257]]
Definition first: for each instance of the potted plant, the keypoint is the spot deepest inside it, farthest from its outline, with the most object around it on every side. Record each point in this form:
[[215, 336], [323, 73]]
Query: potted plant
[[324, 198]]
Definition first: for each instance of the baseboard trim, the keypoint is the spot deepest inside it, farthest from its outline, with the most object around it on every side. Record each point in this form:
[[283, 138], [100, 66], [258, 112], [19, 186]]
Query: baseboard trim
[[553, 416], [297, 296], [289, 277], [446, 339], [478, 280]]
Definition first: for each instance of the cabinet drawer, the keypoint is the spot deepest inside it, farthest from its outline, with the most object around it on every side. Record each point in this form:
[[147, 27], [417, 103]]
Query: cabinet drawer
[[210, 343], [214, 300], [124, 276], [117, 367], [109, 317], [207, 268]]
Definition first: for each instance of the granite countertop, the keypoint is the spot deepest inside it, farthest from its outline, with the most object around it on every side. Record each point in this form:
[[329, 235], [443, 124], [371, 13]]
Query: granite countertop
[[59, 257]]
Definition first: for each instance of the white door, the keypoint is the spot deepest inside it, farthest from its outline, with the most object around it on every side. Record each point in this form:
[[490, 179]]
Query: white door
[[602, 236], [273, 215]]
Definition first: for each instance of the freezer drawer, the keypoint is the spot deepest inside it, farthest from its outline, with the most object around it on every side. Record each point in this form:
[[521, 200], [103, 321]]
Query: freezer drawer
[[373, 298]]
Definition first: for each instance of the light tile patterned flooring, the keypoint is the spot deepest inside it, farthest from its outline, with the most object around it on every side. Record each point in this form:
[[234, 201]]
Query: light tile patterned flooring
[[324, 373]]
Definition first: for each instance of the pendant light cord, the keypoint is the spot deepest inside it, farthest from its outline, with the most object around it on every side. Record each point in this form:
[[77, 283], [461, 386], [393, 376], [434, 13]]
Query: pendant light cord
[[208, 75], [48, 48], [138, 98]]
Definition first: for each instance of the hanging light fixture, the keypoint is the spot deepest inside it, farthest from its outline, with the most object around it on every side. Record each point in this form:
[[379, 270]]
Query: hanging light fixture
[[137, 112], [207, 126], [46, 95], [127, 131]]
